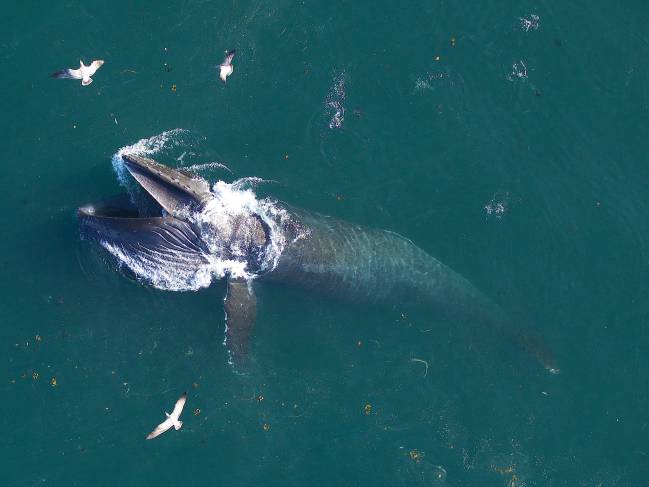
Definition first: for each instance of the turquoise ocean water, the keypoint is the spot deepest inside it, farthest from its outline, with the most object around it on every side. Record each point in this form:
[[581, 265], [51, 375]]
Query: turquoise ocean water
[[514, 152]]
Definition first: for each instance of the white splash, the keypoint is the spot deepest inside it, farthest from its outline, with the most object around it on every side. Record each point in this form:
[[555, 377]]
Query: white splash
[[222, 213], [208, 166], [220, 218], [251, 182]]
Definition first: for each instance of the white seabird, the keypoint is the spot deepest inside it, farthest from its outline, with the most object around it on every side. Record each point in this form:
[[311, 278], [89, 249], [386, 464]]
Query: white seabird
[[172, 419], [84, 72], [226, 68]]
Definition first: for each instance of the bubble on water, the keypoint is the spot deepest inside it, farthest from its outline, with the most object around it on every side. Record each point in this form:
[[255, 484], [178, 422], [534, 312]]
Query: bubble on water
[[519, 71], [439, 473], [429, 81], [531, 23], [418, 469], [335, 101], [497, 206]]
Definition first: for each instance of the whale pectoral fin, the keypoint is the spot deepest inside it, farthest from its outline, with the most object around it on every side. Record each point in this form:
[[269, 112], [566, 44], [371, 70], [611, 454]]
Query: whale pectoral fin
[[240, 306]]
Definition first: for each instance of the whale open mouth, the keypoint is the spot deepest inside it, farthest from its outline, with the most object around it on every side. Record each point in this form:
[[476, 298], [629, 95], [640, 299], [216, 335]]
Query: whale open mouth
[[153, 237], [177, 233], [167, 202], [115, 207]]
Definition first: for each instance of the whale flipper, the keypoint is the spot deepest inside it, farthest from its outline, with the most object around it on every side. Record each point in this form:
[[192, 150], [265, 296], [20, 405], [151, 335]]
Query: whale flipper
[[240, 306]]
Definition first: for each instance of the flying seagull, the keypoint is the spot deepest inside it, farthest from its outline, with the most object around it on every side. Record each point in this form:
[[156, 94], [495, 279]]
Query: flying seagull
[[226, 68], [84, 72], [172, 419]]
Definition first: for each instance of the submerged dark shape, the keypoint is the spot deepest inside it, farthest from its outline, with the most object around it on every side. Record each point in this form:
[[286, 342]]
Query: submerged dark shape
[[317, 252]]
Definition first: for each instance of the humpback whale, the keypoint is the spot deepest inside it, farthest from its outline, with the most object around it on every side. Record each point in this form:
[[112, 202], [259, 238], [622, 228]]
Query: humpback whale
[[190, 233]]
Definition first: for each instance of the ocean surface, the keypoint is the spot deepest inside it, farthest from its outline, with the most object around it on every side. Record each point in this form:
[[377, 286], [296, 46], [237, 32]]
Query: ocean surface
[[508, 139]]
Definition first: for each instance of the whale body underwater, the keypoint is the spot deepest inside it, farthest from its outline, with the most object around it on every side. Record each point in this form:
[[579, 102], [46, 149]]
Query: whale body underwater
[[190, 233]]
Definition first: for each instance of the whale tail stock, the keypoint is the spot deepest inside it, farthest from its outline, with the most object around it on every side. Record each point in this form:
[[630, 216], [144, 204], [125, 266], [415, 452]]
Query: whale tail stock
[[534, 346], [468, 303], [525, 339]]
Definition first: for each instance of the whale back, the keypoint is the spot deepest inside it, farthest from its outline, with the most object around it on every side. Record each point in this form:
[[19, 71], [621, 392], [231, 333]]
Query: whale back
[[362, 264], [367, 265]]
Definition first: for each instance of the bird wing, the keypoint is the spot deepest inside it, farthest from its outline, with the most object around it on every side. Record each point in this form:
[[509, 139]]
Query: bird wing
[[68, 74], [180, 404], [228, 57], [161, 428], [94, 66]]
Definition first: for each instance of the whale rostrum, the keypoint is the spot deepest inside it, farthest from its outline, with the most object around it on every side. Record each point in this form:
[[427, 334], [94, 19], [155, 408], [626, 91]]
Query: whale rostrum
[[187, 234]]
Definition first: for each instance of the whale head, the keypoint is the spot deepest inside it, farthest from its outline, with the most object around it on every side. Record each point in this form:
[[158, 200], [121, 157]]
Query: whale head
[[161, 235]]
